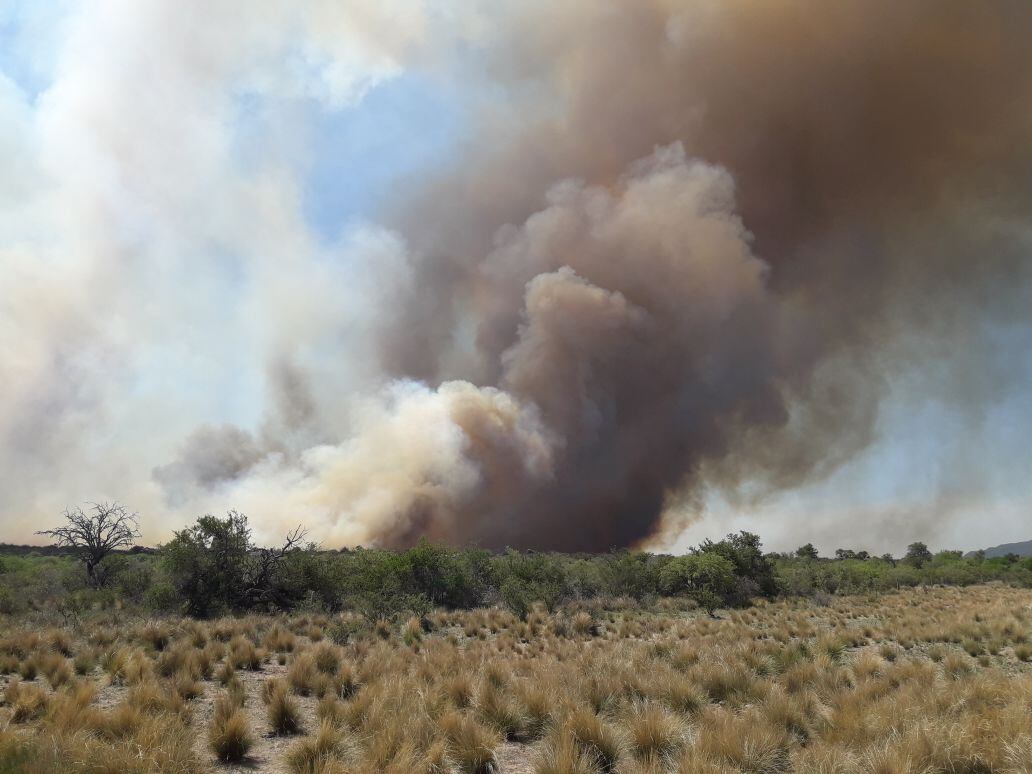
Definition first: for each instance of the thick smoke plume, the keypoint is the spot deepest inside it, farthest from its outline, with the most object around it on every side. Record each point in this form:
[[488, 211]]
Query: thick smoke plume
[[686, 269], [640, 327], [685, 248]]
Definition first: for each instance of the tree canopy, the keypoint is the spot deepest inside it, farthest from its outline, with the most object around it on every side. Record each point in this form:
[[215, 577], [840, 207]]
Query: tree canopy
[[94, 533]]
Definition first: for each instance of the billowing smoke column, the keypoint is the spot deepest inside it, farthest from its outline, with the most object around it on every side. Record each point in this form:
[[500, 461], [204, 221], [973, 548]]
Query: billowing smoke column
[[686, 253], [632, 323]]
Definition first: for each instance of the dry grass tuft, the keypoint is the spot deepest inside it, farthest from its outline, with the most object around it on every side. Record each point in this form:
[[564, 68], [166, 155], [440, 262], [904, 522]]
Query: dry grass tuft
[[230, 735], [745, 742], [303, 674], [654, 734], [562, 755], [596, 738], [318, 753], [27, 702], [283, 711], [470, 745]]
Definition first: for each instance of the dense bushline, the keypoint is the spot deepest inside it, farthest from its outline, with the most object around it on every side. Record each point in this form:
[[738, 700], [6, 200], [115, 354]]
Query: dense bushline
[[213, 568], [849, 575]]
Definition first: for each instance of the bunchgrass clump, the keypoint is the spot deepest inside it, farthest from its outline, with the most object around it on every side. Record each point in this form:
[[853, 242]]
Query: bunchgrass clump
[[303, 674], [470, 745], [230, 736], [283, 711], [316, 753], [655, 735], [596, 738]]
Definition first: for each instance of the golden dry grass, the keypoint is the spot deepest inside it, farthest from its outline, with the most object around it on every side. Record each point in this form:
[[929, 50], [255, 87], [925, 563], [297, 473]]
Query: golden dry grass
[[935, 680]]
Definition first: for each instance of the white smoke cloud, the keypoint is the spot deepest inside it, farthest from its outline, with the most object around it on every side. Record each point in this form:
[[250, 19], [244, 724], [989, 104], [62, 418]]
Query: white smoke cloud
[[139, 251]]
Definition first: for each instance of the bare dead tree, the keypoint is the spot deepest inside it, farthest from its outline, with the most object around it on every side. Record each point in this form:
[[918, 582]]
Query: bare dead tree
[[264, 564], [96, 533]]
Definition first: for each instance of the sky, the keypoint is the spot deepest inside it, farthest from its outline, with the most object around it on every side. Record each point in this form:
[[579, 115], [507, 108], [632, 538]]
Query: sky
[[215, 228]]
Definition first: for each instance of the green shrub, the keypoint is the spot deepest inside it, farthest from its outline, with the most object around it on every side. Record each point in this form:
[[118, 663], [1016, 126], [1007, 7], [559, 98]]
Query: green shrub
[[162, 597], [707, 577], [528, 578]]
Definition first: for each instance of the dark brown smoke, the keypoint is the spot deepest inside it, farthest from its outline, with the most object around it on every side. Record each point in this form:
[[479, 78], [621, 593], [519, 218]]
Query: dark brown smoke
[[878, 152]]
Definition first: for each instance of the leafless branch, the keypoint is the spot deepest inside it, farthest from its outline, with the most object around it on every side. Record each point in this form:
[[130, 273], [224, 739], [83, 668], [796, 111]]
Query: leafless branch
[[95, 533], [265, 562]]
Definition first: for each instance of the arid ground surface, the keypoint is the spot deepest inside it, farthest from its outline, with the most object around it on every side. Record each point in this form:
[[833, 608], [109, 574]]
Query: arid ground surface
[[923, 680]]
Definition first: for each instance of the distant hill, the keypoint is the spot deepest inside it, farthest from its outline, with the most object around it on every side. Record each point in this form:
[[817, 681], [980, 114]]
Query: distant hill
[[1021, 549]]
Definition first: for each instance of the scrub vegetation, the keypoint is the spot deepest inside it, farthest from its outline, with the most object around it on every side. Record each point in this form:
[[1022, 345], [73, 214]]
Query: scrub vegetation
[[214, 568], [213, 654]]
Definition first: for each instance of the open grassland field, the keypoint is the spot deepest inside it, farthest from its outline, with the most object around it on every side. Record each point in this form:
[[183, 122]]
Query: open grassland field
[[924, 680]]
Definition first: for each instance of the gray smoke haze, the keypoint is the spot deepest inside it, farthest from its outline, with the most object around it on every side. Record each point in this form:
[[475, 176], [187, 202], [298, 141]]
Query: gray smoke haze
[[686, 247]]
